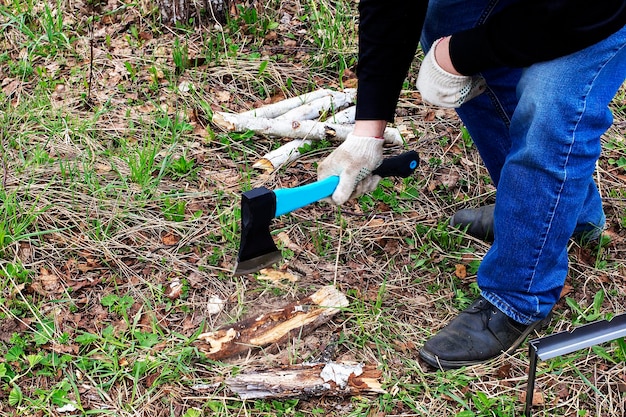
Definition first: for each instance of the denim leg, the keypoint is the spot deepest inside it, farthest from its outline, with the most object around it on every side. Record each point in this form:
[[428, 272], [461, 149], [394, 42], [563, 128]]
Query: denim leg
[[538, 133], [546, 183]]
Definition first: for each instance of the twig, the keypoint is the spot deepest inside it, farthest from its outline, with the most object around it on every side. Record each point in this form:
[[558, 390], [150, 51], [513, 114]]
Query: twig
[[5, 171]]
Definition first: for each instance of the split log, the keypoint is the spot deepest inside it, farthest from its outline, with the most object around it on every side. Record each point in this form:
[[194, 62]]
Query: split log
[[308, 380], [296, 319], [290, 151]]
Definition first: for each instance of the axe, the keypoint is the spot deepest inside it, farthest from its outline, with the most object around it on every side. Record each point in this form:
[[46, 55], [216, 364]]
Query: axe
[[259, 206]]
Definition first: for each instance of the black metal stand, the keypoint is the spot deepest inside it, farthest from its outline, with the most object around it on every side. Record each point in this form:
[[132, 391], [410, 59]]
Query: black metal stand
[[562, 343]]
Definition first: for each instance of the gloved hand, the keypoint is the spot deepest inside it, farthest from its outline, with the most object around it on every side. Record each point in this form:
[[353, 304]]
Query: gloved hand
[[442, 88], [353, 160]]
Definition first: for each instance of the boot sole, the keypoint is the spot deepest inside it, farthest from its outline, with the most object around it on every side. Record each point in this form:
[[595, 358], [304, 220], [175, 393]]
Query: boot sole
[[434, 361]]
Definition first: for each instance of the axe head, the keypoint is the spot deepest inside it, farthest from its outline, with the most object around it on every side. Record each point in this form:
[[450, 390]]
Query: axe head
[[257, 249]]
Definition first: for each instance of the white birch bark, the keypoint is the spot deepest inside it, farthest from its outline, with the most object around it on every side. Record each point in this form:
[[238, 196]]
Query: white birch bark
[[294, 118]]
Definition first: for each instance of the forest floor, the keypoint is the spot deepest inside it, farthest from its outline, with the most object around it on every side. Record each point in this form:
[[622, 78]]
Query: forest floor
[[120, 226]]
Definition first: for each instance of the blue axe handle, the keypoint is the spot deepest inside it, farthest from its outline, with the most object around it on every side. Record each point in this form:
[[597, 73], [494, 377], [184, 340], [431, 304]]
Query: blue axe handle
[[290, 199]]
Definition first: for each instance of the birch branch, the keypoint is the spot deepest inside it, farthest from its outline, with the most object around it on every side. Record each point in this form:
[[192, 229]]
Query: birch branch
[[297, 129], [281, 107], [345, 116], [316, 108], [294, 118]]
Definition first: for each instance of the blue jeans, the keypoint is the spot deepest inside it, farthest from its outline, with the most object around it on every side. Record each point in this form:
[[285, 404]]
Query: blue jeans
[[538, 131]]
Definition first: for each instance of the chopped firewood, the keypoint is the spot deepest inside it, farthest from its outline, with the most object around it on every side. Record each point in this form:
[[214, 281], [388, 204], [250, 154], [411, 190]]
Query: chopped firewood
[[273, 328], [285, 154], [308, 380]]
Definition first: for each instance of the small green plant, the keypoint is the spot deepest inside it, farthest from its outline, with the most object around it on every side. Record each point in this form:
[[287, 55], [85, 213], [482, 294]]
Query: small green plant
[[174, 209], [616, 355], [173, 126], [144, 168], [581, 315], [333, 26], [182, 167], [117, 304], [180, 56], [17, 220]]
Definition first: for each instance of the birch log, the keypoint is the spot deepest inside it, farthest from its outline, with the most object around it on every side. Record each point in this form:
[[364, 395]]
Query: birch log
[[333, 101], [294, 118], [290, 151], [298, 318], [345, 116], [279, 108], [304, 129], [305, 381]]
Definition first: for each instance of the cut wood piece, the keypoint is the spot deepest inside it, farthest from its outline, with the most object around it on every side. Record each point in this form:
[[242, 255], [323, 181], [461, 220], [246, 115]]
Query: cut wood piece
[[305, 381], [285, 154], [281, 107], [298, 318]]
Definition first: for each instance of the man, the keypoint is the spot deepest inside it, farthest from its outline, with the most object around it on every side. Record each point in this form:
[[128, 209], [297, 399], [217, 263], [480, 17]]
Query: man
[[532, 81]]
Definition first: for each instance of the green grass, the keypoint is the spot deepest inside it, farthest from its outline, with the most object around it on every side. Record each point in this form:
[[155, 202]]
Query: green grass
[[120, 225]]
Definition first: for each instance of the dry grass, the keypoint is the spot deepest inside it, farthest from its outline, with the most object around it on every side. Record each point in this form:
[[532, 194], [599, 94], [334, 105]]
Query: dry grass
[[97, 231]]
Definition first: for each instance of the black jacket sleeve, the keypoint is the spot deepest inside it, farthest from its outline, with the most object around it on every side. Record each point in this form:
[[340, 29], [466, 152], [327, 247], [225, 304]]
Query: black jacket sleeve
[[389, 32], [524, 33], [532, 31]]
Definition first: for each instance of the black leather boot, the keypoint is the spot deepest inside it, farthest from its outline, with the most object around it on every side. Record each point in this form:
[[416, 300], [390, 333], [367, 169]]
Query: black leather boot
[[477, 222], [479, 333]]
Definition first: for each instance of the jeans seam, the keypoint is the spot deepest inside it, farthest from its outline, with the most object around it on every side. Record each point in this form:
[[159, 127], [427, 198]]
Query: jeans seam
[[487, 12]]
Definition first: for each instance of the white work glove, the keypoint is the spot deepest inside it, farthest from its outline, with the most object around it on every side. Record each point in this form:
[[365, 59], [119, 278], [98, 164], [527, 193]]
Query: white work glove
[[353, 161], [443, 89]]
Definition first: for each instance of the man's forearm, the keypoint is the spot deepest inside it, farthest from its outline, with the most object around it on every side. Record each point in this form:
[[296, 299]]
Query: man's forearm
[[389, 33]]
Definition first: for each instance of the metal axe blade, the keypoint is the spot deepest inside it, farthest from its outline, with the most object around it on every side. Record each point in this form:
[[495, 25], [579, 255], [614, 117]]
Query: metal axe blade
[[259, 206]]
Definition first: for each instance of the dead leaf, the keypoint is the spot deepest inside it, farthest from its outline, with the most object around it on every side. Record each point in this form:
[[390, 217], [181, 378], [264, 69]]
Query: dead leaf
[[46, 283], [276, 276], [170, 239], [11, 87], [26, 252], [174, 290], [538, 398], [460, 271], [376, 222], [286, 241], [504, 371], [567, 289], [222, 96]]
